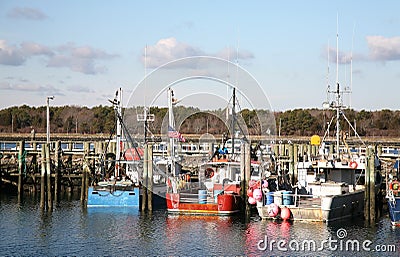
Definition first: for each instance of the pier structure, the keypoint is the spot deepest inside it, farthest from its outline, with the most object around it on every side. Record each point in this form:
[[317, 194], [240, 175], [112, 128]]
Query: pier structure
[[34, 166]]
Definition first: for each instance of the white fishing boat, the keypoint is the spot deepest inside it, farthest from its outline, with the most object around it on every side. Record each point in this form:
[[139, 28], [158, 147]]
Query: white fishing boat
[[329, 184]]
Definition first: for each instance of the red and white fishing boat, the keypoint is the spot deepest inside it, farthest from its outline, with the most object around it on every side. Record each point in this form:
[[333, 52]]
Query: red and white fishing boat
[[217, 191]]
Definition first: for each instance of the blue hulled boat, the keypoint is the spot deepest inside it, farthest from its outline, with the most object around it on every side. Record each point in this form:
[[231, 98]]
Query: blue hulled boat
[[393, 197], [119, 186]]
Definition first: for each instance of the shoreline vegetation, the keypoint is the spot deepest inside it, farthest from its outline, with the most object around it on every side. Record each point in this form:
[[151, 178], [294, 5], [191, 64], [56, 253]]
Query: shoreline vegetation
[[99, 121]]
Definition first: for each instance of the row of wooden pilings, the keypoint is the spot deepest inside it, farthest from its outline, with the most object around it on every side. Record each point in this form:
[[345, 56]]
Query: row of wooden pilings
[[50, 192]]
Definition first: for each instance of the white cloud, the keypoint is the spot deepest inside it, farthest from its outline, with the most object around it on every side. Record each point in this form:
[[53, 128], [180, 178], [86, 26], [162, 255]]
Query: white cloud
[[80, 59], [30, 87], [10, 55], [26, 13], [166, 50], [170, 49], [30, 49], [383, 48], [77, 58]]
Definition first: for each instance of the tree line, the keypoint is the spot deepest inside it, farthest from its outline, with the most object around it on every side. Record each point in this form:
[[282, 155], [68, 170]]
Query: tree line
[[102, 119]]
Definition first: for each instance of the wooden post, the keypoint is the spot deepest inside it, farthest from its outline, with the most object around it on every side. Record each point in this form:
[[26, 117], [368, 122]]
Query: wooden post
[[87, 177], [371, 165], [43, 178], [367, 188], [379, 150], [295, 162], [276, 150], [243, 188], [145, 177], [21, 168], [85, 166], [1, 179], [150, 178], [48, 175], [247, 165], [57, 167]]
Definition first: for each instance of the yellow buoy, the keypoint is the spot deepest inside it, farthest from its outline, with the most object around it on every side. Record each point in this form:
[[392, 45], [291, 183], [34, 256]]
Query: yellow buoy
[[315, 140]]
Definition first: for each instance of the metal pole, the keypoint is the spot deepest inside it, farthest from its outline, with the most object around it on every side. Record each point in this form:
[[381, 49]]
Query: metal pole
[[48, 117]]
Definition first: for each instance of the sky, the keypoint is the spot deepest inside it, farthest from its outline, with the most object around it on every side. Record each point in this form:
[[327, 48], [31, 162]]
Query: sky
[[81, 52]]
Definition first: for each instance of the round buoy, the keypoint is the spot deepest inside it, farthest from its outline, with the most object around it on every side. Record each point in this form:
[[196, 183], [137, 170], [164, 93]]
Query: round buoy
[[273, 210], [252, 200], [257, 194], [252, 183], [286, 213], [249, 192]]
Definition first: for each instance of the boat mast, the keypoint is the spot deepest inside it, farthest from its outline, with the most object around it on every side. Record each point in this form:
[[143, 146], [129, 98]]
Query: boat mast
[[119, 131], [233, 121], [171, 123], [338, 104]]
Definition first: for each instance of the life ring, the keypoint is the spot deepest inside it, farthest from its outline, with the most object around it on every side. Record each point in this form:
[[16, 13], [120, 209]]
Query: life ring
[[209, 173], [395, 187], [187, 177], [353, 165]]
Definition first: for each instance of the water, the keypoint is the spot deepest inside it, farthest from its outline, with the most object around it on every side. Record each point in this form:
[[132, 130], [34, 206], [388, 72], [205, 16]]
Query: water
[[71, 230]]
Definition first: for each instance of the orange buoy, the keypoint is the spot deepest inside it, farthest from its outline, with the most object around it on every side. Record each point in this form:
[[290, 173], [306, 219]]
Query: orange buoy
[[286, 214], [273, 210], [249, 192]]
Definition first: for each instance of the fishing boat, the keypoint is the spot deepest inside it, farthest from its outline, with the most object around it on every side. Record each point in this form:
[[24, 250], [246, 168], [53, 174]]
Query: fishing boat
[[119, 187], [393, 196], [328, 183], [217, 187], [217, 191]]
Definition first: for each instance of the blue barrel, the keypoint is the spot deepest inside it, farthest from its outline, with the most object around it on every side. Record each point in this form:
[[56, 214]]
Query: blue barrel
[[202, 196], [269, 198], [287, 198]]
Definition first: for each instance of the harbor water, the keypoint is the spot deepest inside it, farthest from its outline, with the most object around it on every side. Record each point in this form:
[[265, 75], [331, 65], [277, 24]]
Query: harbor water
[[73, 230]]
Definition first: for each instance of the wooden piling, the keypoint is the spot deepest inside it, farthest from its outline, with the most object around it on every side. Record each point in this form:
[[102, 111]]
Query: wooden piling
[[21, 168], [371, 165], [87, 177], [366, 191], [57, 170], [145, 177], [243, 188], [43, 178], [246, 167], [369, 199], [150, 178], [48, 175], [85, 167]]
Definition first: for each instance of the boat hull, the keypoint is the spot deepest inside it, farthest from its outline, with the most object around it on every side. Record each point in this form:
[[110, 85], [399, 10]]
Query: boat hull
[[394, 211], [325, 209], [227, 204], [101, 197]]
